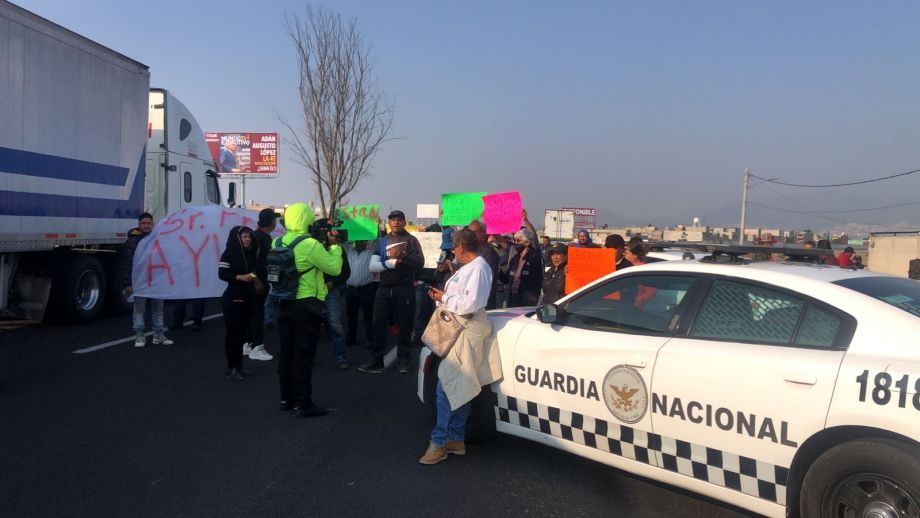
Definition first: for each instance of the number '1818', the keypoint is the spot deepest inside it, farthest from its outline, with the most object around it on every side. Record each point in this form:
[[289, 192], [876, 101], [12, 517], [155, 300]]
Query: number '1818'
[[881, 392]]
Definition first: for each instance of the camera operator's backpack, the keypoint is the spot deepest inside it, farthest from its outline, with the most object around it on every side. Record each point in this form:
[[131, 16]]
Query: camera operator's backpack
[[282, 273]]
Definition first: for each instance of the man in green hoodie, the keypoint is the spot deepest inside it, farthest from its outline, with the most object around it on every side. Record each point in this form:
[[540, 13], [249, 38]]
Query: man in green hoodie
[[300, 319]]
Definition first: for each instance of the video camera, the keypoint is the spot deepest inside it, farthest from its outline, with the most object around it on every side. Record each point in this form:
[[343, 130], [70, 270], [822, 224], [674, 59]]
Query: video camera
[[320, 231]]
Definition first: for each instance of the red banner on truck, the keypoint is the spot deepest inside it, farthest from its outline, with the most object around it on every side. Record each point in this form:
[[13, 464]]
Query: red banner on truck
[[250, 154]]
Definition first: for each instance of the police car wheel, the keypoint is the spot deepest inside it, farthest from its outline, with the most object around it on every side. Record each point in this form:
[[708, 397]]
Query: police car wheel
[[872, 478]]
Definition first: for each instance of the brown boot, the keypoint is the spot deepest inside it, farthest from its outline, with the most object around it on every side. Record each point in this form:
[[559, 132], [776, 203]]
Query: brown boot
[[433, 455], [456, 448]]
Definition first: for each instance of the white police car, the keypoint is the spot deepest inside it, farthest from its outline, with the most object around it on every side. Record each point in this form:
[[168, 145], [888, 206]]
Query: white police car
[[776, 387]]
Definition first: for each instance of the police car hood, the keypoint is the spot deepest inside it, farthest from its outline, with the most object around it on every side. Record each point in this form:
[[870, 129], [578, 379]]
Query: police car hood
[[298, 218], [508, 313]]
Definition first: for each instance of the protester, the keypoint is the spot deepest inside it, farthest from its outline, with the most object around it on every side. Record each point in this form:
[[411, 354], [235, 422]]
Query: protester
[[545, 244], [336, 312], [300, 319], [424, 306], [360, 290], [554, 278], [473, 361], [135, 235], [179, 313], [401, 258], [525, 271], [254, 347], [583, 239], [808, 244], [616, 242], [829, 259], [488, 254], [845, 259], [635, 252], [237, 268], [503, 246], [446, 263]]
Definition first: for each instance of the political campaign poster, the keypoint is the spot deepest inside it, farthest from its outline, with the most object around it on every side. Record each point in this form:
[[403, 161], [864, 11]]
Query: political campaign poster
[[244, 154], [586, 265], [461, 207], [584, 218], [360, 221], [179, 259], [502, 212]]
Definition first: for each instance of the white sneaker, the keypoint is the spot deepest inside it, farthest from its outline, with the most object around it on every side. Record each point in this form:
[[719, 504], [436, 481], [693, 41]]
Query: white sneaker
[[140, 340], [161, 339], [259, 353], [247, 349]]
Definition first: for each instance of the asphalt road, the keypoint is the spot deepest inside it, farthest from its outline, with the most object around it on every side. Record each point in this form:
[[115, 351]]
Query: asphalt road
[[160, 431]]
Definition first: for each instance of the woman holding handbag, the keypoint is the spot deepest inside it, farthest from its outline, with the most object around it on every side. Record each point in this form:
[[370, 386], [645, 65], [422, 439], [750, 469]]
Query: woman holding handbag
[[472, 361]]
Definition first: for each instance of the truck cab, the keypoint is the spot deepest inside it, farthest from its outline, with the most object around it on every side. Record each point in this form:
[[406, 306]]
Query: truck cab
[[180, 171]]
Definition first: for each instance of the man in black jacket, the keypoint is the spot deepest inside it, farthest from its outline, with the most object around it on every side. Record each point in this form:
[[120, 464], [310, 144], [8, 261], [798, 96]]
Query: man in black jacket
[[254, 347], [401, 259], [143, 229]]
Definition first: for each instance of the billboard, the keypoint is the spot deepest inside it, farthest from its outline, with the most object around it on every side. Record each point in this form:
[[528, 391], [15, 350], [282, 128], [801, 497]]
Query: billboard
[[584, 218], [249, 154]]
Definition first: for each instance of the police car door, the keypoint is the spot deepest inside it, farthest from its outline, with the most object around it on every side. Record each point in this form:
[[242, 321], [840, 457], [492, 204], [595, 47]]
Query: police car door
[[581, 383], [750, 379]]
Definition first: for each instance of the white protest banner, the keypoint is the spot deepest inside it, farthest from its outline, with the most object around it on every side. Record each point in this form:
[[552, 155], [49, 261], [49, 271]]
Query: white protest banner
[[178, 260], [427, 211], [431, 247]]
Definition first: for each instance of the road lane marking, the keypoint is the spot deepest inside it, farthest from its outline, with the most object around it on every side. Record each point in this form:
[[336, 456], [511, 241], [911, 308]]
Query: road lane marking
[[131, 338]]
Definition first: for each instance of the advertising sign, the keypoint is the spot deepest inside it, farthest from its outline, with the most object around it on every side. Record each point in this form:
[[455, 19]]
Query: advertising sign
[[584, 218], [249, 154]]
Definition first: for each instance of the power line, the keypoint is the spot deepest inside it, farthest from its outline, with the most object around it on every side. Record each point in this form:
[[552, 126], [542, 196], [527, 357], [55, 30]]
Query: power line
[[834, 211], [808, 209], [777, 182]]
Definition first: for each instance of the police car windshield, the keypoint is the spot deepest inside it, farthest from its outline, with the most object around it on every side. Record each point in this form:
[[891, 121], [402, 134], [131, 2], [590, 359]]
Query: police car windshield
[[903, 294]]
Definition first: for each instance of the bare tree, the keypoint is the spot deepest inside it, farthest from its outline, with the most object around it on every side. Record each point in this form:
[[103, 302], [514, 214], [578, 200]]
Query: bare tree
[[346, 117]]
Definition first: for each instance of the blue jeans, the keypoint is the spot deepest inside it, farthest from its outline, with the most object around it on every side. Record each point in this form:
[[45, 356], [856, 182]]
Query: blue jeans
[[451, 425], [271, 309], [336, 320], [156, 310]]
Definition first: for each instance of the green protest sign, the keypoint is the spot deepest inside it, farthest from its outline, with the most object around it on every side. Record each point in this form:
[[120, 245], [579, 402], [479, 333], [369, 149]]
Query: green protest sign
[[359, 220], [460, 208]]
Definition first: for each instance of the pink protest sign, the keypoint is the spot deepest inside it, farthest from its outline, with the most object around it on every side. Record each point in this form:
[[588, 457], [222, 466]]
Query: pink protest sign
[[502, 212]]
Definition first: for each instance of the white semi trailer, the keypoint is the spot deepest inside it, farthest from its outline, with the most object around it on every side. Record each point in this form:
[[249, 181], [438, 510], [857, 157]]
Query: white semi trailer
[[85, 147]]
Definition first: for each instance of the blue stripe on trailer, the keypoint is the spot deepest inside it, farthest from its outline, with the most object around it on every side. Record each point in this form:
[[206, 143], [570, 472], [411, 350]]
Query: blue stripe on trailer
[[27, 163], [64, 206]]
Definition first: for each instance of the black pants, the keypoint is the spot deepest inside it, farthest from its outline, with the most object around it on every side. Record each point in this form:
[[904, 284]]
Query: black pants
[[361, 299], [398, 301], [299, 330], [257, 320], [179, 312], [236, 323]]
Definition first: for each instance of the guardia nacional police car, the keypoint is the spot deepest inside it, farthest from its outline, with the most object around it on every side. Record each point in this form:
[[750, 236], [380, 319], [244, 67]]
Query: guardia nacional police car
[[780, 387]]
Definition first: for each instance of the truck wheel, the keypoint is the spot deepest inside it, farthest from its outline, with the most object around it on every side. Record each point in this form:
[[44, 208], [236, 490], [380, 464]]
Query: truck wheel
[[481, 423], [877, 478], [78, 291]]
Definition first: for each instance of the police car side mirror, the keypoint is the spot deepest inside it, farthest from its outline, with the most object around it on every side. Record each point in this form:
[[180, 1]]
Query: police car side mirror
[[548, 314]]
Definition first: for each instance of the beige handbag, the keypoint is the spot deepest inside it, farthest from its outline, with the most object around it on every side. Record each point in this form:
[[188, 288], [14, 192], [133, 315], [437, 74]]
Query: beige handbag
[[442, 331]]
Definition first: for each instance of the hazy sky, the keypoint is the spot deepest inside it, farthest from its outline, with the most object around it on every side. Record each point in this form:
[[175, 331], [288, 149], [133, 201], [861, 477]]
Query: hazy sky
[[649, 111]]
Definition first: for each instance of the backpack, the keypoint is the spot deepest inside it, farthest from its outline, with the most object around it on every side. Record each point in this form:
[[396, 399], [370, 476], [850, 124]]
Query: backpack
[[913, 270], [281, 269]]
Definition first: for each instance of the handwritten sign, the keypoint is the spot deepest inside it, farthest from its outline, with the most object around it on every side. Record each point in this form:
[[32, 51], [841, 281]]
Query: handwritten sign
[[586, 265], [359, 220], [179, 259], [502, 212], [431, 247], [461, 207], [427, 210]]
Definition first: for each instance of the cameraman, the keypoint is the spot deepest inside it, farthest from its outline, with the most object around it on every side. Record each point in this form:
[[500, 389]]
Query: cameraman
[[300, 320]]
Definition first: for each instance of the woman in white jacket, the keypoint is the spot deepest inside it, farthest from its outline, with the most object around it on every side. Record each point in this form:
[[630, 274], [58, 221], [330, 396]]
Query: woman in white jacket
[[473, 361]]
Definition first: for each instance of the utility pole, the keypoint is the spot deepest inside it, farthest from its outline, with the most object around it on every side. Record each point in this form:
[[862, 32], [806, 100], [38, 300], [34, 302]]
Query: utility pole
[[747, 182]]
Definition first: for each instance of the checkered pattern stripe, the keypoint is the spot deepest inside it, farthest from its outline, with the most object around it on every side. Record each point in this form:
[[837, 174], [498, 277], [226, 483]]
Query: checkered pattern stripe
[[749, 476]]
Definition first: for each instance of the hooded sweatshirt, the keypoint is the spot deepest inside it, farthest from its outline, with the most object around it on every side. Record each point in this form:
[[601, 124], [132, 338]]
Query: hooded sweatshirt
[[310, 255], [238, 261], [588, 243]]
